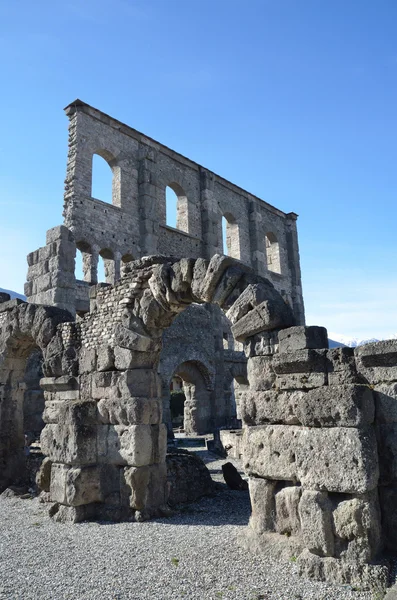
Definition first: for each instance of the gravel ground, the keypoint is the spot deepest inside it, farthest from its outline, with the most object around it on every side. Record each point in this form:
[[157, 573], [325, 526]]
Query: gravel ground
[[192, 555]]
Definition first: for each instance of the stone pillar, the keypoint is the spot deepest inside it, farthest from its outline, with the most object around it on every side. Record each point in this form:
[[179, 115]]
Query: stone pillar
[[210, 219], [50, 278], [294, 268], [257, 239], [148, 202]]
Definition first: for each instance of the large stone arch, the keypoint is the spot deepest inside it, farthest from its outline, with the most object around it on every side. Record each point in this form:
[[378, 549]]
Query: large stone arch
[[25, 329], [104, 432]]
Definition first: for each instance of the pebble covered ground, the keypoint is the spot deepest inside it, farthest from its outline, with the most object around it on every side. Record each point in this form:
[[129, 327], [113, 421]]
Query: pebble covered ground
[[193, 555]]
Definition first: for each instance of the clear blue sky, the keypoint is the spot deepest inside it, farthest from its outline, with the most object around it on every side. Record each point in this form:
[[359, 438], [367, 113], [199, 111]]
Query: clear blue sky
[[292, 100]]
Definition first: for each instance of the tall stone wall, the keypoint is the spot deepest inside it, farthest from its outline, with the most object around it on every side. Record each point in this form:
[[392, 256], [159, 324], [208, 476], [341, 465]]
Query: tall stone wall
[[134, 225]]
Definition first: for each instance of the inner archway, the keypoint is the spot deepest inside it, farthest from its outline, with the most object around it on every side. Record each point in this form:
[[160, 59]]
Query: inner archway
[[197, 412]]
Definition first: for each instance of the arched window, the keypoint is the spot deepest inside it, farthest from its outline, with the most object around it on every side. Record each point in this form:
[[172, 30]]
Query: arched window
[[85, 269], [230, 236], [106, 175], [176, 207], [272, 253], [106, 266]]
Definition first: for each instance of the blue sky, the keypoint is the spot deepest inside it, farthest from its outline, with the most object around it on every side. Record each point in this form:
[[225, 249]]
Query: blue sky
[[294, 101]]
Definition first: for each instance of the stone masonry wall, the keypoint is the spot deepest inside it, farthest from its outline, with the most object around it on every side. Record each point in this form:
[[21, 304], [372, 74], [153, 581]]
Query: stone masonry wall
[[134, 225], [319, 447]]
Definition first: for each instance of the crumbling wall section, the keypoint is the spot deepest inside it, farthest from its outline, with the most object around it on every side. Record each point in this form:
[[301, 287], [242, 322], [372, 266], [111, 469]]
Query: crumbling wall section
[[319, 449]]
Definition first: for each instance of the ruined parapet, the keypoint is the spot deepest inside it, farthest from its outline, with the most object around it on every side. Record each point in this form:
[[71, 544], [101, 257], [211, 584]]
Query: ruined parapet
[[50, 279], [312, 454]]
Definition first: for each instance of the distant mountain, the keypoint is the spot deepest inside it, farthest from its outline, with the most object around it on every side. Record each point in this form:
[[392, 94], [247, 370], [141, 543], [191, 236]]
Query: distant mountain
[[13, 294], [354, 342], [335, 344]]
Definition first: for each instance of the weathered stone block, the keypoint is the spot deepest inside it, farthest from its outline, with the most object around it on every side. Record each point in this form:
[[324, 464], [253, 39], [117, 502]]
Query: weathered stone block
[[357, 528], [377, 362], [336, 459], [301, 381], [87, 360], [388, 503], [135, 445], [73, 440], [144, 488], [301, 338], [300, 361], [130, 411], [260, 372], [105, 358], [139, 383], [315, 512], [287, 516], [263, 509], [341, 367], [75, 486]]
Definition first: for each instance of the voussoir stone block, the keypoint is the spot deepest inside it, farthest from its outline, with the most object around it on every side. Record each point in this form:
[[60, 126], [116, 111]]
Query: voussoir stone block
[[302, 338], [337, 459]]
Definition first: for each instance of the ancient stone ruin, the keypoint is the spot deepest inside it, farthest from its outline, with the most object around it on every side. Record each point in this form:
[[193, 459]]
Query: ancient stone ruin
[[87, 366]]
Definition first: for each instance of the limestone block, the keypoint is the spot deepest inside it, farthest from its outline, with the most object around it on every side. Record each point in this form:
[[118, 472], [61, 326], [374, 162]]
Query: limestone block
[[377, 362], [43, 475], [301, 338], [125, 359], [60, 232], [336, 406], [59, 384], [134, 445], [264, 343], [336, 459], [301, 381], [251, 296], [104, 384], [386, 402], [75, 486], [125, 338], [338, 571], [226, 285], [105, 358], [260, 407], [260, 372], [263, 508], [357, 528], [300, 361], [52, 411], [217, 266], [144, 488], [315, 513], [87, 360], [73, 440], [130, 411], [199, 272], [341, 367], [139, 383], [287, 516], [266, 316]]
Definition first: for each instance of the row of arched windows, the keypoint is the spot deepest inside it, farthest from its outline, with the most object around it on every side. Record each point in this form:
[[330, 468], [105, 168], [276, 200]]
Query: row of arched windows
[[176, 204], [102, 267]]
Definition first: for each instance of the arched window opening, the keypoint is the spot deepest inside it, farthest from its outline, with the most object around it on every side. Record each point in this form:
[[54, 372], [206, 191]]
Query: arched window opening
[[102, 179], [176, 207], [272, 253], [106, 267], [125, 260], [85, 269], [230, 236]]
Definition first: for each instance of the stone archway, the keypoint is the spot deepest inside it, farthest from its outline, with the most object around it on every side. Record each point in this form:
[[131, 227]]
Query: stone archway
[[26, 330], [197, 384], [104, 432]]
